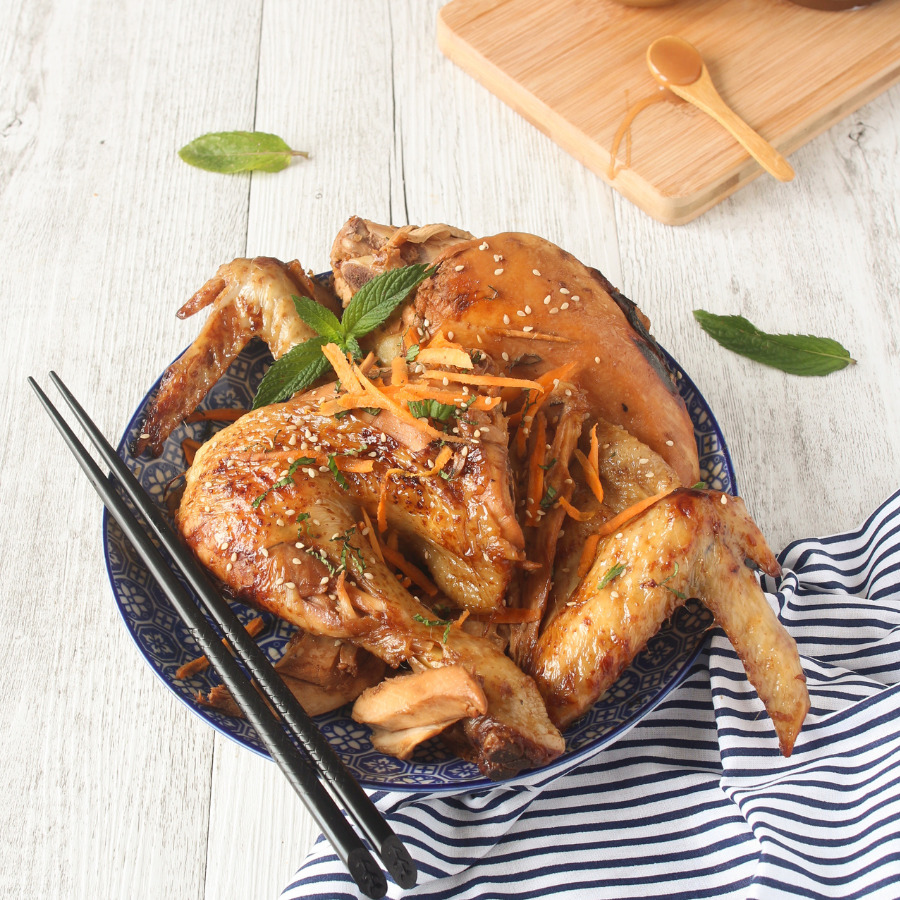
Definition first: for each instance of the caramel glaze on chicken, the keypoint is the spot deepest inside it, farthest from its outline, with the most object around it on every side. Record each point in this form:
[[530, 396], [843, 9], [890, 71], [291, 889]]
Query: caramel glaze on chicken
[[275, 508], [297, 550]]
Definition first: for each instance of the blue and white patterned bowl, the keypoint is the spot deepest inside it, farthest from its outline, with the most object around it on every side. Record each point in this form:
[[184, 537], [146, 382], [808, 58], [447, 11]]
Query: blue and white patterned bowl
[[166, 644]]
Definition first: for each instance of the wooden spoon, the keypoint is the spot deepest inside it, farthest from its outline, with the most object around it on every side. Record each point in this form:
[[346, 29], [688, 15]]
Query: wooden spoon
[[678, 65]]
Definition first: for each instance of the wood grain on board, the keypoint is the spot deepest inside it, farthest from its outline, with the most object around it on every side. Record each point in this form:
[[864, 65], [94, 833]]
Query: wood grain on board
[[575, 68]]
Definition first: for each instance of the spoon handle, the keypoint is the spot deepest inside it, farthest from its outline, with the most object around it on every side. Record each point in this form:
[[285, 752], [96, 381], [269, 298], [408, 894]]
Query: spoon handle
[[703, 94]]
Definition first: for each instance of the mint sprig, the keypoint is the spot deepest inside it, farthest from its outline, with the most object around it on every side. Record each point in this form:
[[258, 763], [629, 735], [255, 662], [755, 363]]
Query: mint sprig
[[239, 151], [796, 354], [370, 307]]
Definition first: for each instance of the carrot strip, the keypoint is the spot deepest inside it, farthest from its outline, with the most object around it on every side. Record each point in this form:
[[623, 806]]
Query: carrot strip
[[594, 456], [628, 514], [587, 555], [367, 363], [354, 465], [574, 513], [413, 573], [189, 448], [399, 372], [342, 368], [590, 473], [215, 415], [493, 380]]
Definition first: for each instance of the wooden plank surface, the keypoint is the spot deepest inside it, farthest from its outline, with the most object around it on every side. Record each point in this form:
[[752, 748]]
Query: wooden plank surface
[[577, 69], [113, 789]]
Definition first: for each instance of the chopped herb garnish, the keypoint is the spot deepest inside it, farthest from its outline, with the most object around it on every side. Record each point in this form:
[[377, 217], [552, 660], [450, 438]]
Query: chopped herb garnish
[[284, 482], [345, 540], [338, 474], [549, 497], [612, 573], [371, 410], [322, 558], [445, 474], [548, 466], [436, 623], [699, 486], [663, 583], [412, 353], [431, 409]]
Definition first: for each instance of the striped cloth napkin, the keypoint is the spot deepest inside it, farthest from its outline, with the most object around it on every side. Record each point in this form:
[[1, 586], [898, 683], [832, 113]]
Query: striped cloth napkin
[[695, 801]]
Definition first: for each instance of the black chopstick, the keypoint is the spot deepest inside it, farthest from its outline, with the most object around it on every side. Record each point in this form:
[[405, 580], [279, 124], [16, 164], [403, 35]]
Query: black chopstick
[[328, 766]]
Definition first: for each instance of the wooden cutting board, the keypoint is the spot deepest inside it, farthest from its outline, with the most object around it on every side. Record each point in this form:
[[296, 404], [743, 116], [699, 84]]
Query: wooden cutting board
[[575, 68]]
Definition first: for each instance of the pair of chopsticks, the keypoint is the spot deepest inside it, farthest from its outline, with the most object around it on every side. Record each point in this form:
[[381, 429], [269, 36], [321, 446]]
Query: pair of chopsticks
[[317, 774]]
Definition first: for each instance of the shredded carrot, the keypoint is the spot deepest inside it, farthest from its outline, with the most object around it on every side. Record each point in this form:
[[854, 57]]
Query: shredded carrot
[[445, 356], [459, 622], [536, 473], [373, 538], [342, 367], [215, 415], [508, 615], [590, 473], [594, 456], [525, 417], [354, 465], [588, 554], [628, 514], [399, 372], [367, 363], [195, 666], [189, 448], [413, 573], [492, 380], [574, 513], [411, 391]]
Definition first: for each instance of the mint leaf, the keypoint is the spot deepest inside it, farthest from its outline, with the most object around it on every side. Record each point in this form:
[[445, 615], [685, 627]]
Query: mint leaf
[[378, 298], [549, 497], [412, 353], [296, 370], [431, 409], [239, 151], [796, 354], [323, 321], [338, 474]]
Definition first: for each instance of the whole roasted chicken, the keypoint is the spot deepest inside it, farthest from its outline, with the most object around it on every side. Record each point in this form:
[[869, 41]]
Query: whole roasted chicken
[[495, 496]]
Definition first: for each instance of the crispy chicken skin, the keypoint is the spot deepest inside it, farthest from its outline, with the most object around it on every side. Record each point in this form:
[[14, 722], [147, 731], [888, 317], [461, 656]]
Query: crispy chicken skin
[[323, 575], [249, 298], [690, 543]]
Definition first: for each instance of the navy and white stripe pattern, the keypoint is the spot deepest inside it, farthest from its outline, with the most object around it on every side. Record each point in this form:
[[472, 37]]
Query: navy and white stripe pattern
[[696, 801]]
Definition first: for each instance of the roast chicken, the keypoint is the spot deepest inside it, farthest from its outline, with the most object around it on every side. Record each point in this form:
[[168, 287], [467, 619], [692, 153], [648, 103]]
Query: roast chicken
[[502, 555]]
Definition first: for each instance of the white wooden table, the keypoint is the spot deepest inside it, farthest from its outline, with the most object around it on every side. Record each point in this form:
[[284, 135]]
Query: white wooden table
[[112, 788]]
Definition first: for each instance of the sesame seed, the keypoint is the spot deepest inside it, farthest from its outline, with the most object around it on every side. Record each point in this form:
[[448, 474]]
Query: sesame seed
[[521, 312], [564, 290], [554, 311], [619, 536], [498, 271], [528, 310], [643, 461], [505, 356], [614, 595], [478, 338], [498, 257], [421, 332], [296, 561], [292, 440], [234, 557], [368, 575], [483, 246], [425, 323], [568, 393], [264, 552], [670, 443], [449, 335], [223, 545], [324, 580], [290, 584], [596, 359], [323, 468], [458, 268], [724, 500], [299, 545], [563, 305], [505, 319], [229, 567], [279, 523], [145, 436], [547, 300], [536, 272], [476, 433], [528, 328]]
